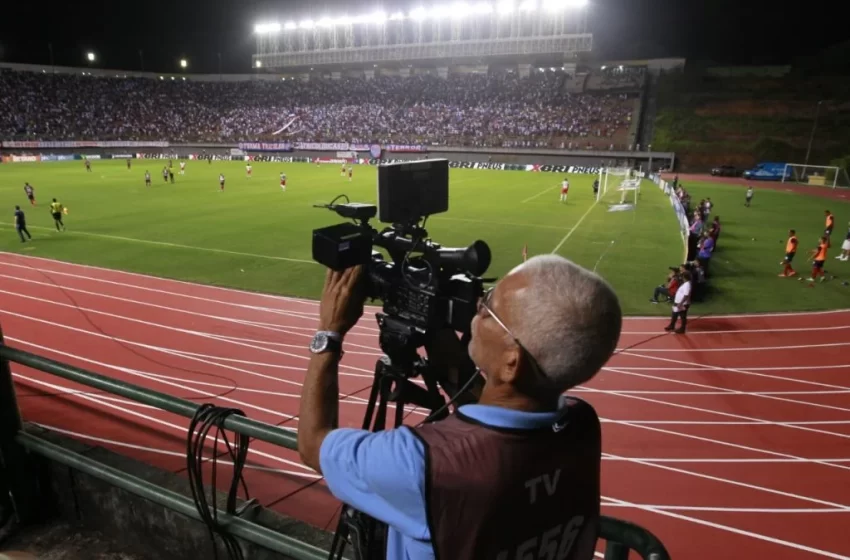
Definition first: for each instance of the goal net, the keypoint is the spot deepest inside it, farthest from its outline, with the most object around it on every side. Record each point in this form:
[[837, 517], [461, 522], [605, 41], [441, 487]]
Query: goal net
[[816, 175], [611, 179]]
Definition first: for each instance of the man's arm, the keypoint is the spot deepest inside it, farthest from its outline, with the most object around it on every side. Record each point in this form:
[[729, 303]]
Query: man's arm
[[319, 409]]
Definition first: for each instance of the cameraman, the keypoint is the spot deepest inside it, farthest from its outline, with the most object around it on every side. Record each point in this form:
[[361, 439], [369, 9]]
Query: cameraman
[[515, 474]]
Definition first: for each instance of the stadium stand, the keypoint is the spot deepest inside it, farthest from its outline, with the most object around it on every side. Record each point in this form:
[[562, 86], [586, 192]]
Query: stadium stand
[[547, 109]]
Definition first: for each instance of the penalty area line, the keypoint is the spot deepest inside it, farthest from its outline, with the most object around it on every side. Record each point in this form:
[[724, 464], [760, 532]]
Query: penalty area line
[[575, 227], [544, 191]]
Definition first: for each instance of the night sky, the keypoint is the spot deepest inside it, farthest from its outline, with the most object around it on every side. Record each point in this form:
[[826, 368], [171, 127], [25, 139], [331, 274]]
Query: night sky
[[722, 31]]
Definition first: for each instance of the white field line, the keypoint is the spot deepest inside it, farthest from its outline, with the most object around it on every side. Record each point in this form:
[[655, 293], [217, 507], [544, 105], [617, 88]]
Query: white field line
[[544, 191], [575, 227], [314, 303], [276, 328], [735, 530]]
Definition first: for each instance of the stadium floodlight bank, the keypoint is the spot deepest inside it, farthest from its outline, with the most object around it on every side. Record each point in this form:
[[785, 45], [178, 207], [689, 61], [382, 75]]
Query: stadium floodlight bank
[[452, 31], [816, 175]]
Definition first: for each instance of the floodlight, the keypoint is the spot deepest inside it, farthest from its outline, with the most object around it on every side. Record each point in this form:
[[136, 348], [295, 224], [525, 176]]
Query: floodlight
[[620, 67], [577, 3], [528, 6], [438, 11], [505, 7], [377, 17], [345, 20], [459, 9], [397, 16], [307, 24], [290, 25], [554, 5], [258, 64], [418, 13], [183, 63], [325, 22], [90, 56], [482, 8]]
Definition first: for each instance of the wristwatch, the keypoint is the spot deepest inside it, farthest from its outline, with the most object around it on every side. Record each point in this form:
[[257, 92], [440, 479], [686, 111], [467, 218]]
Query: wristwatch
[[326, 341]]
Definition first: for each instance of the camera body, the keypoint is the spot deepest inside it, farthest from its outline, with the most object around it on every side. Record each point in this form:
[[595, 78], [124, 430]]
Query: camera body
[[424, 285]]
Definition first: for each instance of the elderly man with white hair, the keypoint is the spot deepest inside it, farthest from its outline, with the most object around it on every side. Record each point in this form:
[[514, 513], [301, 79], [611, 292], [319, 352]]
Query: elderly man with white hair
[[515, 475]]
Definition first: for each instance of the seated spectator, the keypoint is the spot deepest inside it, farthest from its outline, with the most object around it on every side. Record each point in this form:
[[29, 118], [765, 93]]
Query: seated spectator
[[667, 290]]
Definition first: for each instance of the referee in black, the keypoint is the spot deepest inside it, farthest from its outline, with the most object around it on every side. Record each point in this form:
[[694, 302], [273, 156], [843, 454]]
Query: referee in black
[[21, 224]]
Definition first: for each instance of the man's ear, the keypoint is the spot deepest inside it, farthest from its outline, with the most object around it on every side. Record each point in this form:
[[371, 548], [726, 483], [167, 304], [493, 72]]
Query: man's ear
[[511, 363]]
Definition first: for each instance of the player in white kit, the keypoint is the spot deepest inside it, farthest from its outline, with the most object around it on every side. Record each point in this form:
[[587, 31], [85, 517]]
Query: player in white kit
[[248, 170], [565, 189], [283, 182], [182, 167]]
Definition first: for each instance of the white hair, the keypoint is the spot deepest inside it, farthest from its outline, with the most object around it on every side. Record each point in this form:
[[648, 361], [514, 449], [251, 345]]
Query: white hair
[[568, 318]]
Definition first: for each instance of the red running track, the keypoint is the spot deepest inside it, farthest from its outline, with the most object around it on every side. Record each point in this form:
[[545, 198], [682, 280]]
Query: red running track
[[730, 442]]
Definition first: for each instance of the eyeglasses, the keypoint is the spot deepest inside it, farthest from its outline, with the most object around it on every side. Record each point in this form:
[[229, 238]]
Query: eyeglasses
[[484, 303]]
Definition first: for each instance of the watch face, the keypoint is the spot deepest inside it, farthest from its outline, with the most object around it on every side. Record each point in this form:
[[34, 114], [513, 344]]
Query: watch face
[[319, 343]]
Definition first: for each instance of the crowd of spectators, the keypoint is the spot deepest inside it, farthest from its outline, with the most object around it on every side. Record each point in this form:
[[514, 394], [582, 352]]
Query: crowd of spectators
[[463, 109], [703, 234]]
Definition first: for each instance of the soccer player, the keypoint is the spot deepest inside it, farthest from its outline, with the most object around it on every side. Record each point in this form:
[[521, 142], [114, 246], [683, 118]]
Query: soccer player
[[147, 178], [350, 172], [845, 248], [88, 165], [749, 196], [565, 189], [56, 209], [182, 167], [819, 257], [30, 193], [221, 181], [171, 175], [283, 181], [830, 224], [790, 251], [248, 170], [165, 174], [21, 224], [595, 188], [128, 164], [342, 171]]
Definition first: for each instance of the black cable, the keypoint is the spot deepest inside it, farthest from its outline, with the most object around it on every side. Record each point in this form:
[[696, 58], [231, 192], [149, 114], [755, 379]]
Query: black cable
[[207, 418]]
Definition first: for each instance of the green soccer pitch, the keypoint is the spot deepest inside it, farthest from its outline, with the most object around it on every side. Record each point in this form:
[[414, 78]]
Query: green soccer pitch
[[254, 236]]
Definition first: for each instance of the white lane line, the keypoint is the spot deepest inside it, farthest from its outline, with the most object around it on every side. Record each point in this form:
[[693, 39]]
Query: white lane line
[[158, 451], [727, 444], [314, 303], [575, 227], [729, 509], [725, 392], [655, 333], [146, 418], [176, 245], [263, 326], [757, 374], [701, 461], [729, 423], [737, 349], [735, 530], [734, 369]]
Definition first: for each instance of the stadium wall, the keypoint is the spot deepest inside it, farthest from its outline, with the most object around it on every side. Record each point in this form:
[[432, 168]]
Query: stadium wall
[[508, 156]]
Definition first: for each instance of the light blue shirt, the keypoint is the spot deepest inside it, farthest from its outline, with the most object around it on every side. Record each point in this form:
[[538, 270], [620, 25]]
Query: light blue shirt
[[383, 474]]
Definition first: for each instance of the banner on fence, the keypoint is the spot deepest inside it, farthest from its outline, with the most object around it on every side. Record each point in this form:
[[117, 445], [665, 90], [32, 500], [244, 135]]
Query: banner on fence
[[122, 156], [347, 155], [91, 156], [42, 144], [22, 159], [266, 146]]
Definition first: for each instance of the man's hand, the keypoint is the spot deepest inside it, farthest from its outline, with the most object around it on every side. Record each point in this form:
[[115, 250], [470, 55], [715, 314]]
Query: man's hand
[[342, 300]]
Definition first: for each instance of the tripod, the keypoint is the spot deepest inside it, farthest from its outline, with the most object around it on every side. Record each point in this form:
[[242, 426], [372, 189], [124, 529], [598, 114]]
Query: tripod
[[393, 372]]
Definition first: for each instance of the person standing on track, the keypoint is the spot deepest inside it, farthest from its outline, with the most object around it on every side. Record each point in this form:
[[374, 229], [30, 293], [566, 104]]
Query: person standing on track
[[21, 224], [56, 209], [681, 304]]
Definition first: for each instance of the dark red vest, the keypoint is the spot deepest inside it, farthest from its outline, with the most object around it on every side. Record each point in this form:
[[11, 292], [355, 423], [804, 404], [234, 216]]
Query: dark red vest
[[504, 494]]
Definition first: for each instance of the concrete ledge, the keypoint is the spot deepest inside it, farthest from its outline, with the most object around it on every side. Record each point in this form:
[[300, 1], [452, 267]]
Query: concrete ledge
[[135, 525]]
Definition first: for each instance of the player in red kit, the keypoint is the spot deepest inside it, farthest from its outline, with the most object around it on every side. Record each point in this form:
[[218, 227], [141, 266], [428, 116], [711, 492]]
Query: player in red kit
[[350, 172], [565, 189], [342, 171], [248, 170], [283, 182]]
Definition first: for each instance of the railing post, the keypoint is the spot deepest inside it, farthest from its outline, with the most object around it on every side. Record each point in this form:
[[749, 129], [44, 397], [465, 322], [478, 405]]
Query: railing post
[[18, 482]]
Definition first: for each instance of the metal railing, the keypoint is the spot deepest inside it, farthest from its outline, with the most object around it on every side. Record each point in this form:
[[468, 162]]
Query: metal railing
[[15, 444]]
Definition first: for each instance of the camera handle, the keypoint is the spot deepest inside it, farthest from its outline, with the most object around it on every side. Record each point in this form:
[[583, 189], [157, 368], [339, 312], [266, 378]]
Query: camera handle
[[366, 535]]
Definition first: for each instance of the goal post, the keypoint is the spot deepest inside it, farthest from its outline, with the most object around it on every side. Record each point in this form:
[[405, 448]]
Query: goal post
[[816, 175], [611, 179]]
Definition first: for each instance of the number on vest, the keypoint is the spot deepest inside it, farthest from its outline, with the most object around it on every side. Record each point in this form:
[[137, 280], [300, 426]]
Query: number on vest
[[554, 544]]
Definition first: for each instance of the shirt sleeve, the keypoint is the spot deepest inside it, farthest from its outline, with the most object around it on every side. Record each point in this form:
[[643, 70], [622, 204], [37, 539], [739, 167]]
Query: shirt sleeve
[[381, 474]]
